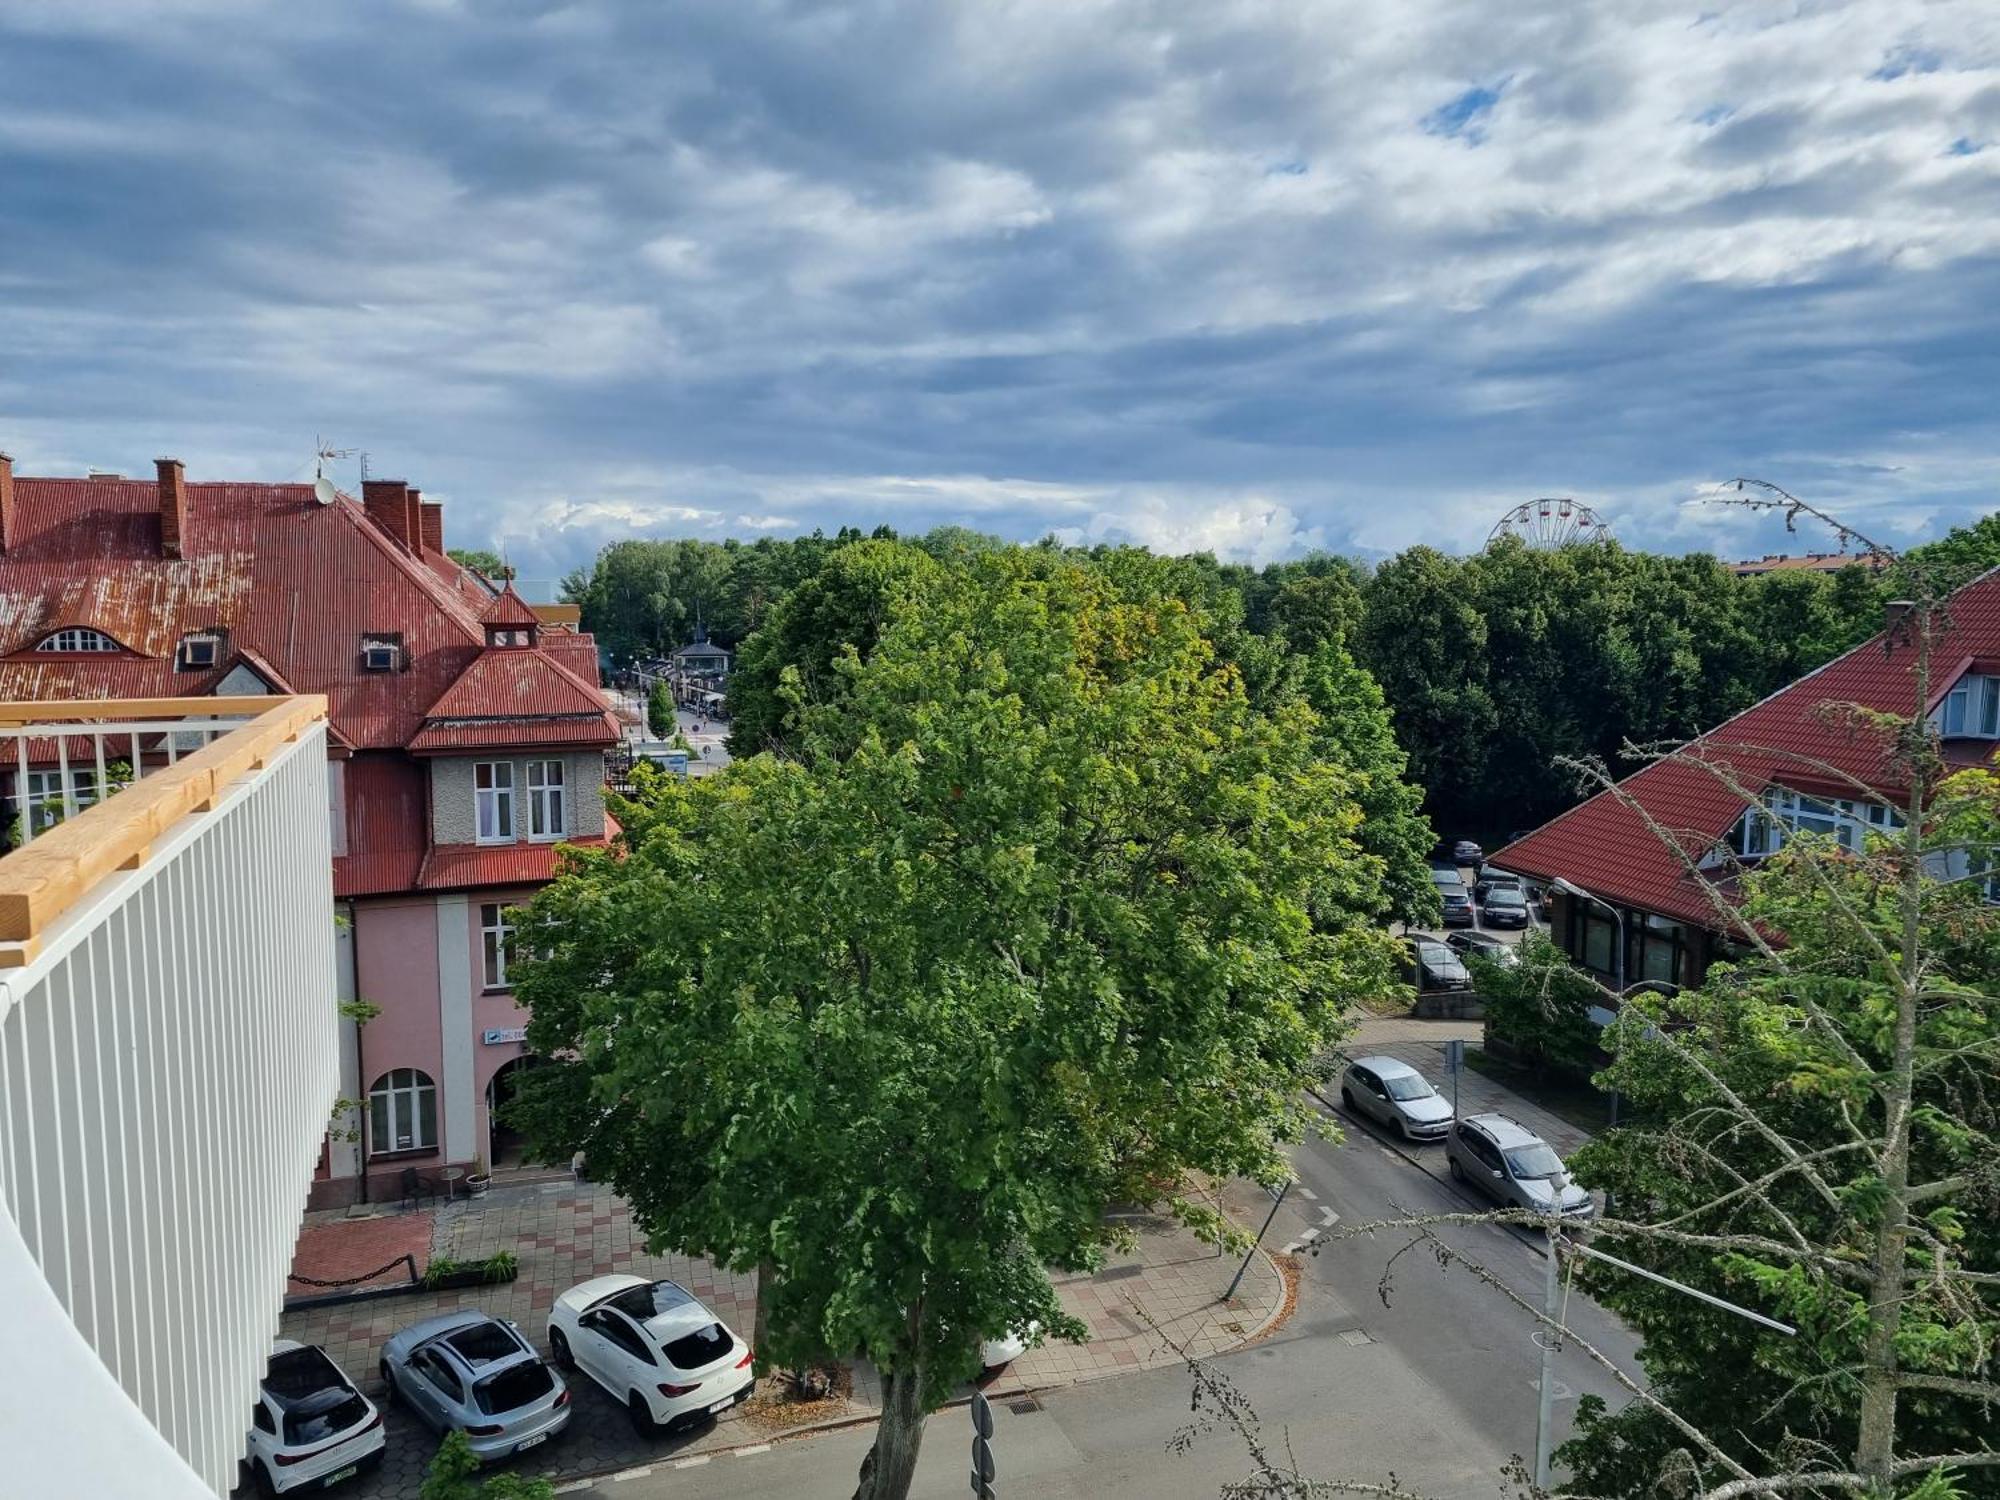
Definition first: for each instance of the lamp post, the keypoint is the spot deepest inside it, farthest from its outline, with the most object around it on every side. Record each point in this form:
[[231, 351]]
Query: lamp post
[[1571, 888]]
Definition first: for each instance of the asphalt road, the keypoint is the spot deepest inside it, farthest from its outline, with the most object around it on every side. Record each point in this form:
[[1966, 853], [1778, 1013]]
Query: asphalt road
[[1438, 1386]]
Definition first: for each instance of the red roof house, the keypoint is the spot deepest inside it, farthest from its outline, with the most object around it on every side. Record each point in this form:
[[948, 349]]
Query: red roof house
[[464, 748], [1801, 756]]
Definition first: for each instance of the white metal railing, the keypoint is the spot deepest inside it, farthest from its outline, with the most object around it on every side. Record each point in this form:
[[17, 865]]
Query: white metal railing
[[54, 781], [168, 1063]]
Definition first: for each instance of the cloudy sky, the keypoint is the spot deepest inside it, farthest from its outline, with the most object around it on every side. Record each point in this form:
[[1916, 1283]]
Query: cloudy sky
[[1255, 277]]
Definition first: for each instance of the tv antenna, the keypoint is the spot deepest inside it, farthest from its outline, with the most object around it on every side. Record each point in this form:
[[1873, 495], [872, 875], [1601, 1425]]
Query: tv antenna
[[323, 454]]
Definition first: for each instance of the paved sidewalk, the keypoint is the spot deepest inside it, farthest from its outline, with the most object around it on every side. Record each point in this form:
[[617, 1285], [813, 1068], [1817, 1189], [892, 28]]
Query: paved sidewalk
[[564, 1233], [1421, 1044]]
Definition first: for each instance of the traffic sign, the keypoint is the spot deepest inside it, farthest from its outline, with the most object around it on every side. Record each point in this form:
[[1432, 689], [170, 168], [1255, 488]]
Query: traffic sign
[[982, 1414]]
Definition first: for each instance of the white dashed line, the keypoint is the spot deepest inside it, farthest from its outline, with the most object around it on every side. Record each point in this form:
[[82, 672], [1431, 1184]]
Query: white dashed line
[[1301, 1242], [1308, 1194], [573, 1486], [689, 1463], [753, 1448], [631, 1474]]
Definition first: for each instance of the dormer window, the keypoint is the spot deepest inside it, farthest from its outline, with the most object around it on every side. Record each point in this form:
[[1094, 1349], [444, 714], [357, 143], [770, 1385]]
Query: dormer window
[[1971, 710], [198, 652], [381, 653], [78, 638]]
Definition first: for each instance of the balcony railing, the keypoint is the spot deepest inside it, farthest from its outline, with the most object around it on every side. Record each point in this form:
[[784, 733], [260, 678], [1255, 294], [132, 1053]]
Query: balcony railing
[[167, 1069]]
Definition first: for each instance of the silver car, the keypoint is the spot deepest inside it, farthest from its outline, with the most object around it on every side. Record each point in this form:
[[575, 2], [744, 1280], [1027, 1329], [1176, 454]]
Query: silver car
[[1512, 1165], [1392, 1093], [476, 1373]]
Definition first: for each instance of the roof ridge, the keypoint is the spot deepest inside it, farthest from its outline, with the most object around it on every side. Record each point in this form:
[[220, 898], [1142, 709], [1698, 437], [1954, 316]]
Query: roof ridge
[[427, 582]]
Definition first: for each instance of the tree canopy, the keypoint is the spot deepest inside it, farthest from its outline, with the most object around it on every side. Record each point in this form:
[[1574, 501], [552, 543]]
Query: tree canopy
[[1040, 915]]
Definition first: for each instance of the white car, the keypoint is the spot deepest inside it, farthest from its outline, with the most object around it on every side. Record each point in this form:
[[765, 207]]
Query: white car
[[654, 1347], [310, 1428], [993, 1353]]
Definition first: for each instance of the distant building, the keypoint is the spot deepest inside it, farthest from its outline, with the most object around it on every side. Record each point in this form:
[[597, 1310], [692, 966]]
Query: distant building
[[701, 657], [465, 739], [1808, 562]]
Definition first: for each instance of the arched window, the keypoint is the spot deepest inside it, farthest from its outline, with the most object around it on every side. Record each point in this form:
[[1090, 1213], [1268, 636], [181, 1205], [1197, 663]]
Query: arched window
[[402, 1112], [78, 638]]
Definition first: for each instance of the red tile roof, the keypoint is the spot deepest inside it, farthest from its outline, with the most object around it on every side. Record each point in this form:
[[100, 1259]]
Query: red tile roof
[[452, 867], [1797, 737], [514, 696]]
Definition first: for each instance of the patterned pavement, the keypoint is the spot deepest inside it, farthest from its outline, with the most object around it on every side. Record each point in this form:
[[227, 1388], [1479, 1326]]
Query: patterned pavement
[[564, 1233]]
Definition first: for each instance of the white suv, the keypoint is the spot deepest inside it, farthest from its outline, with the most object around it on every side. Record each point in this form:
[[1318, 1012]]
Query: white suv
[[310, 1428], [654, 1347]]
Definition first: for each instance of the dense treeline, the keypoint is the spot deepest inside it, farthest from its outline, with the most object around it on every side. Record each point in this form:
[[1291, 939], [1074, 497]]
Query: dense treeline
[[1490, 667]]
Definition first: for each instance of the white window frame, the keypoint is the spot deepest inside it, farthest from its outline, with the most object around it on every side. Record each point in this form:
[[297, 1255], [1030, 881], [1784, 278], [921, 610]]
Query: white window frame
[[78, 639], [48, 800], [547, 811], [401, 1093], [493, 803], [207, 645], [1785, 812], [1971, 710], [389, 652], [496, 940]]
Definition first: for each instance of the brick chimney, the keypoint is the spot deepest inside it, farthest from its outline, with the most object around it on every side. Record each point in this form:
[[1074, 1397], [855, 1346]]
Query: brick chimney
[[173, 505], [387, 502], [413, 513], [433, 532], [10, 525]]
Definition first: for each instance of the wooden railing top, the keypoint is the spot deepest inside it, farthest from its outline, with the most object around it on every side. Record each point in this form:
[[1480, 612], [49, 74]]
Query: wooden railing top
[[58, 868]]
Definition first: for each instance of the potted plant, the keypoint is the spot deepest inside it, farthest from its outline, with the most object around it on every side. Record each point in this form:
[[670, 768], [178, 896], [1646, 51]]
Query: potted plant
[[479, 1180]]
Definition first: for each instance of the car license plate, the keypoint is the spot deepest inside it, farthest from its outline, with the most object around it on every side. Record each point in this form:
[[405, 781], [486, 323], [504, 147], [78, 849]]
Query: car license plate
[[526, 1443], [339, 1474], [723, 1405]]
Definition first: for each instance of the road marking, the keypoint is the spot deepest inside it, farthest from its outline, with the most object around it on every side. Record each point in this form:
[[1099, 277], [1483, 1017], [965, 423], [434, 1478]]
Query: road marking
[[1328, 1218], [573, 1486], [1308, 1194], [631, 1474], [754, 1448], [1302, 1241], [689, 1463]]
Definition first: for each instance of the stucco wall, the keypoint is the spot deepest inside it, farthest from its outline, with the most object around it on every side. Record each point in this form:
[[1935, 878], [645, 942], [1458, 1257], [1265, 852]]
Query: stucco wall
[[396, 968], [454, 813]]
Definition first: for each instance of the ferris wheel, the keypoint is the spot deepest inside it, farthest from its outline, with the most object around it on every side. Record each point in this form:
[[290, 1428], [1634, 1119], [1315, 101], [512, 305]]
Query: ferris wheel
[[1550, 522]]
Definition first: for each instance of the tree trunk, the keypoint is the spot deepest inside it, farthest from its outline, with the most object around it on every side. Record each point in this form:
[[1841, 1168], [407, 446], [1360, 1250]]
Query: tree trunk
[[892, 1463], [760, 1326]]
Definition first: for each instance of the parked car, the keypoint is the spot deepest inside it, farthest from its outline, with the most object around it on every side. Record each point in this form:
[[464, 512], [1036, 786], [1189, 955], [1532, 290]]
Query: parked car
[[1466, 852], [1457, 903], [654, 1347], [994, 1353], [1482, 945], [310, 1428], [1491, 879], [1504, 906], [1392, 1093], [470, 1371], [1515, 1167], [1431, 966]]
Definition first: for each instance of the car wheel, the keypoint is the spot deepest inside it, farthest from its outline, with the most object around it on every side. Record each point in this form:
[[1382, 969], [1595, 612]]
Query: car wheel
[[642, 1416], [1457, 1172], [1402, 1132], [265, 1484], [559, 1350], [390, 1396], [1347, 1101]]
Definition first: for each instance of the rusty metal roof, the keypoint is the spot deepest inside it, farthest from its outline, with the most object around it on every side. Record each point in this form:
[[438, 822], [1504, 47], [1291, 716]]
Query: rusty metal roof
[[508, 608]]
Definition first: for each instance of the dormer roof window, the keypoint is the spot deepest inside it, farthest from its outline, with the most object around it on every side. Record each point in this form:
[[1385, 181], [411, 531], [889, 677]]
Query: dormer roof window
[[509, 620], [1784, 812], [199, 651], [1971, 710], [381, 653], [77, 638]]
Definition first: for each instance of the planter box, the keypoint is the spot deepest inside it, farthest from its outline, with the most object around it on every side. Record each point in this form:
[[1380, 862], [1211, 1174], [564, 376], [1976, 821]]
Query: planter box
[[472, 1276]]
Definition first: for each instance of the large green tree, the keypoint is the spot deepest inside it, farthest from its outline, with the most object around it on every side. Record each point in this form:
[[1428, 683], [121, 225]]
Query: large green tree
[[1039, 915]]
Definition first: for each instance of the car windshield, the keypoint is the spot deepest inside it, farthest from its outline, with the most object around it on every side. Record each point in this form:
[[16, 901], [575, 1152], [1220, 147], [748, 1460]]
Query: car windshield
[[324, 1415], [1534, 1163], [702, 1347], [1436, 955], [1408, 1086], [1502, 896], [514, 1387]]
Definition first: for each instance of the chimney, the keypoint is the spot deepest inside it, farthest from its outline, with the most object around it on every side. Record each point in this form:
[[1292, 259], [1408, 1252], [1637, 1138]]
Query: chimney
[[1895, 612], [414, 518], [433, 532], [10, 526], [387, 502], [173, 504]]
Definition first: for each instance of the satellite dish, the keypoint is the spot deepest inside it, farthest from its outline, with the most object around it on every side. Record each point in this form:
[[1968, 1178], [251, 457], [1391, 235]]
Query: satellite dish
[[323, 490]]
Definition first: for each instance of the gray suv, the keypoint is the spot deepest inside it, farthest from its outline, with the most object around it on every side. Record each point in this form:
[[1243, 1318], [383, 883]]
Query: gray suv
[[477, 1374], [1392, 1093], [1512, 1165]]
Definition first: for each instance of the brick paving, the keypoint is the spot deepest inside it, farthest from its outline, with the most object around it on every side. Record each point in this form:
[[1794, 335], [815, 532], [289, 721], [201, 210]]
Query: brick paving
[[336, 1249], [564, 1233]]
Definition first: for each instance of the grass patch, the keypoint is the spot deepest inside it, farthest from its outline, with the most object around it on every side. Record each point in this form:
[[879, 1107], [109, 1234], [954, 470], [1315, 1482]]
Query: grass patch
[[1387, 1005], [1576, 1103]]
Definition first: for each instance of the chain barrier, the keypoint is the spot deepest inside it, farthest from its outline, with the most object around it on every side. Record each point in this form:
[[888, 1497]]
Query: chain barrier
[[402, 1260]]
